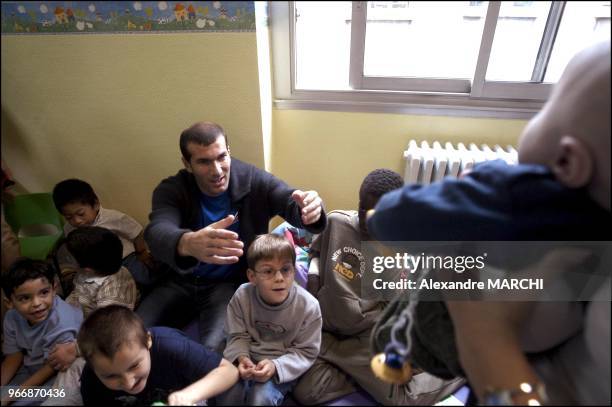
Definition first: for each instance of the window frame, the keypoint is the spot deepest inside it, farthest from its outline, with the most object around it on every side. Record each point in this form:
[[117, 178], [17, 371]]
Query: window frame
[[453, 97]]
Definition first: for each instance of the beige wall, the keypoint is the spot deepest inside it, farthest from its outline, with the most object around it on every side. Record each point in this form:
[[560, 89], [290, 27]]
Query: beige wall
[[332, 152], [109, 108]]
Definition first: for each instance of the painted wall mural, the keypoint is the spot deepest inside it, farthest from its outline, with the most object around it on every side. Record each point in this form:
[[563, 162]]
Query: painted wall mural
[[60, 17]]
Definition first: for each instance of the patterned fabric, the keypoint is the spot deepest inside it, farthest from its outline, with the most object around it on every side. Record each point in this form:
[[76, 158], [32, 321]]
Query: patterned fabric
[[121, 224], [92, 291], [301, 239]]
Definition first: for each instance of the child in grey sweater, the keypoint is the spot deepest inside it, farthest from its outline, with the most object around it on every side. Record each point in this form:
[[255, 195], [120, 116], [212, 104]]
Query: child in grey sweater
[[273, 326]]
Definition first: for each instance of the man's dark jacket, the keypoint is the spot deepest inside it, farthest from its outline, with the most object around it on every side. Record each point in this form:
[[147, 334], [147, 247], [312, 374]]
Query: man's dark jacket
[[257, 195]]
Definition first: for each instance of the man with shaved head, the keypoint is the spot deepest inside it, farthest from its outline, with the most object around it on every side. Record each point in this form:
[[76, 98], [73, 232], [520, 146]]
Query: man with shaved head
[[571, 136], [560, 191]]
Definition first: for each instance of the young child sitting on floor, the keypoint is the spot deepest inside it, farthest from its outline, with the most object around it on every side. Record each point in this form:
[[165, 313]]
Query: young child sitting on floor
[[78, 203], [38, 319], [335, 278], [273, 326], [100, 281], [126, 365]]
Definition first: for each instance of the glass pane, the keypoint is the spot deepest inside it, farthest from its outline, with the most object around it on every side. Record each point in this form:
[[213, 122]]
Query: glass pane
[[426, 39], [583, 23], [519, 32], [323, 44]]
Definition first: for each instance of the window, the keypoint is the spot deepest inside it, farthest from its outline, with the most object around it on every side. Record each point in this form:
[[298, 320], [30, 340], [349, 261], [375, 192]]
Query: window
[[496, 59]]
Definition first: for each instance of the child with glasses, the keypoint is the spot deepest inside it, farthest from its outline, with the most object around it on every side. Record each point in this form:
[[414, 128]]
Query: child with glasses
[[273, 326]]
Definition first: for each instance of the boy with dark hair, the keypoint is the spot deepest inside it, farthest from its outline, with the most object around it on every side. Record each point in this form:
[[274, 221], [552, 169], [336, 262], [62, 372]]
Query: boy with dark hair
[[335, 278], [126, 365], [37, 320], [78, 203], [101, 280], [273, 326], [74, 190]]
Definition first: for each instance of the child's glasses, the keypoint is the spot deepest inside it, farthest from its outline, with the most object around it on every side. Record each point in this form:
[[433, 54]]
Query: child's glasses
[[268, 273]]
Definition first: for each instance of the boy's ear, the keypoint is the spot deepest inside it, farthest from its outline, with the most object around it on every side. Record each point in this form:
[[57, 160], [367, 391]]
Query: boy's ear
[[7, 302], [574, 164], [149, 340], [251, 275]]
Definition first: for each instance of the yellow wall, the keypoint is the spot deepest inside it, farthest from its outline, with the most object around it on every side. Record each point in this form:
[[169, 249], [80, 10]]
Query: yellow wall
[[332, 151], [109, 108]]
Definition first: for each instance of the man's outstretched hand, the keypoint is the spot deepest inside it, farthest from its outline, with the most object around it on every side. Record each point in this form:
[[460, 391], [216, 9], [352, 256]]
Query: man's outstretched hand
[[213, 244]]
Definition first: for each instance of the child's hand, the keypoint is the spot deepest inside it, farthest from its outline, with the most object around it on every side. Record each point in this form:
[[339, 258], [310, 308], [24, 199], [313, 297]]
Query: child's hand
[[181, 398], [62, 356], [313, 284], [147, 259], [245, 367], [264, 370]]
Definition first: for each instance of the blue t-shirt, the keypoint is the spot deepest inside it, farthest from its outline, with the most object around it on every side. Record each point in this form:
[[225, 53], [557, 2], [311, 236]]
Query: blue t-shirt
[[62, 325], [176, 362], [215, 208]]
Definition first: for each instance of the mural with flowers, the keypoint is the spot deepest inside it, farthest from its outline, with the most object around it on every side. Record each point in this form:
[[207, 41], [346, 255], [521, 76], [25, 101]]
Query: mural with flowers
[[59, 17]]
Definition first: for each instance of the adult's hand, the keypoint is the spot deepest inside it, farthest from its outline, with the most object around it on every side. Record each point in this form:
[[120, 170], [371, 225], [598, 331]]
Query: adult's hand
[[213, 244], [310, 204], [487, 338], [490, 334]]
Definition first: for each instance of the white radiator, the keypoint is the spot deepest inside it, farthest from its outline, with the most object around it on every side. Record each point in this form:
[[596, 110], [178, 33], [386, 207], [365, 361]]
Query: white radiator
[[425, 164]]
